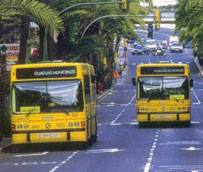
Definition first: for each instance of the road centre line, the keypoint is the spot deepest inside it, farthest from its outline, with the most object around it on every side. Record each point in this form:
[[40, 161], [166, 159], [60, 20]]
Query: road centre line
[[113, 122], [151, 153]]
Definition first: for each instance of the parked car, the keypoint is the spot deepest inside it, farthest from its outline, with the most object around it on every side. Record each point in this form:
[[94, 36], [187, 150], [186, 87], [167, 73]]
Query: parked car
[[176, 47], [139, 49]]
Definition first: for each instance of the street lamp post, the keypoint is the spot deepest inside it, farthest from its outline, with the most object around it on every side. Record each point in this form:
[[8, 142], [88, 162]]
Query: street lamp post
[[107, 16], [88, 3]]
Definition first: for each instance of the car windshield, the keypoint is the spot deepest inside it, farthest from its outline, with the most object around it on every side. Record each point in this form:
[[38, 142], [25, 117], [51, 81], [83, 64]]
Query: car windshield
[[162, 88], [47, 96], [139, 47], [176, 44], [151, 42]]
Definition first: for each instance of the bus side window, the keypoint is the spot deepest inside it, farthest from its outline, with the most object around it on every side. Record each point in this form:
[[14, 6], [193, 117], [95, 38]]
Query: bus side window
[[87, 88], [93, 81]]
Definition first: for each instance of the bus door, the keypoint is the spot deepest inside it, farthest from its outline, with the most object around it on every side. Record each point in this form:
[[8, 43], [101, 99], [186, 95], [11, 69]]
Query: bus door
[[93, 99], [88, 105]]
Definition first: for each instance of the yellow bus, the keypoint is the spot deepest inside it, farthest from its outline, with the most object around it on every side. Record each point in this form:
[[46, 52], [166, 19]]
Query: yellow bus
[[163, 93], [53, 102]]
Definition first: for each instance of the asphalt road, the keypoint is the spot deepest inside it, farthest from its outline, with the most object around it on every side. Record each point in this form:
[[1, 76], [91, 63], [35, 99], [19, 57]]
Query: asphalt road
[[122, 146]]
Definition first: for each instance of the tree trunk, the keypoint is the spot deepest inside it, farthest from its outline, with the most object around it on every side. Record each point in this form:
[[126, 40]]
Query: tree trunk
[[23, 39]]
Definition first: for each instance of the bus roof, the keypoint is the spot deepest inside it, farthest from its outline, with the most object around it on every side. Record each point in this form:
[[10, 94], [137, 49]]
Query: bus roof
[[162, 63], [42, 71], [162, 69], [48, 64]]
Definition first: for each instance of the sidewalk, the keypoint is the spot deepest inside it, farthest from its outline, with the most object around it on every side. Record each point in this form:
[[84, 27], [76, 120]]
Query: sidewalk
[[4, 143], [200, 68]]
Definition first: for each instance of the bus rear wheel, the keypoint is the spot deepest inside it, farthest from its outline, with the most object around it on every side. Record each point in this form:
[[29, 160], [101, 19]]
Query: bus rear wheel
[[142, 124], [187, 123], [85, 145], [94, 138]]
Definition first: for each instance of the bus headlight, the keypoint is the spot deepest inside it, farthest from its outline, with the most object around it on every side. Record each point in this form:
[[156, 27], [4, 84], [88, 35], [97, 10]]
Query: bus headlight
[[25, 126], [70, 124], [19, 126]]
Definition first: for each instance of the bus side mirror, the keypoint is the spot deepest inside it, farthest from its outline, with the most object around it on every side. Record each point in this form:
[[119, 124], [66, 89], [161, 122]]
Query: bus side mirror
[[133, 81], [191, 82]]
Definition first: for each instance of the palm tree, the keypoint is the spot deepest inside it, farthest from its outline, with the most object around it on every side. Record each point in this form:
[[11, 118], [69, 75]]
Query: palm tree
[[81, 18], [28, 11], [35, 11], [189, 18]]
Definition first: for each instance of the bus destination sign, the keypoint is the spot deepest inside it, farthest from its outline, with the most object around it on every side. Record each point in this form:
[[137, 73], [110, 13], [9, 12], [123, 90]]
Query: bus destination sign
[[162, 70], [46, 72]]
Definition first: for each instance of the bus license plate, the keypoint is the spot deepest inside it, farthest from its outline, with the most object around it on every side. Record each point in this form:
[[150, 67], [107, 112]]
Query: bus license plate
[[45, 135], [164, 116]]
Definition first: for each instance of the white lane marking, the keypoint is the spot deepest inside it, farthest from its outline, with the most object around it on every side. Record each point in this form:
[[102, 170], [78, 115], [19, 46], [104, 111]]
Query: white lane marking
[[34, 154], [110, 105], [191, 149], [134, 123], [124, 105], [151, 153], [64, 161], [114, 121], [147, 167], [195, 122], [132, 99], [122, 123], [198, 101], [44, 163], [116, 124], [113, 150], [29, 163], [181, 143]]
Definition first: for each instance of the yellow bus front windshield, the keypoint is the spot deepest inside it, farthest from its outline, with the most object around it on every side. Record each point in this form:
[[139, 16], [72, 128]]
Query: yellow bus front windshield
[[47, 96], [162, 88]]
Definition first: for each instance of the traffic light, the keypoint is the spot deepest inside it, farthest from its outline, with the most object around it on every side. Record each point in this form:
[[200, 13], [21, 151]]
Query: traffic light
[[124, 5], [150, 31], [157, 18]]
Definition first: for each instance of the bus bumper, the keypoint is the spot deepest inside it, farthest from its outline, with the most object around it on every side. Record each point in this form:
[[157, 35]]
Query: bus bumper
[[163, 117], [49, 136]]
